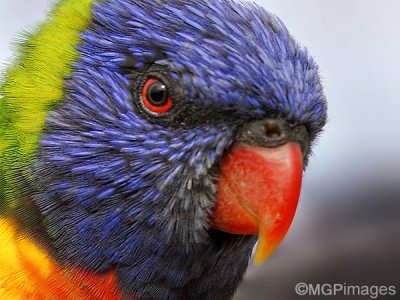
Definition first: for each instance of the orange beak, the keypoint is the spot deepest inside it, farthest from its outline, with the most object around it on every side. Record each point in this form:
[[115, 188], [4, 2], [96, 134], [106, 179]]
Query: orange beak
[[258, 192]]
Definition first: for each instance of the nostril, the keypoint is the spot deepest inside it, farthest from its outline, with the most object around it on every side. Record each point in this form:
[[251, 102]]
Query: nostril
[[272, 130], [265, 133]]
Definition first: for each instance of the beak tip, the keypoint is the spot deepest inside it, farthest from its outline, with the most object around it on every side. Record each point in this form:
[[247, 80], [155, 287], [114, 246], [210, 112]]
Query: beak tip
[[263, 252], [258, 261]]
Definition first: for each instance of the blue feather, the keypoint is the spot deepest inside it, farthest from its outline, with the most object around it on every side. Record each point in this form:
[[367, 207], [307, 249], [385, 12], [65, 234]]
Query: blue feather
[[133, 192]]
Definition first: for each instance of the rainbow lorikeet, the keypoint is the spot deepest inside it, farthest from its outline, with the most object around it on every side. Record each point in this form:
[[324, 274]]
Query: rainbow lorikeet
[[145, 144]]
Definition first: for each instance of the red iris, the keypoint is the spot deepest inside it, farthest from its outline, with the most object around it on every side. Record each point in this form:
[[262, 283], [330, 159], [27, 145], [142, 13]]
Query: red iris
[[155, 96]]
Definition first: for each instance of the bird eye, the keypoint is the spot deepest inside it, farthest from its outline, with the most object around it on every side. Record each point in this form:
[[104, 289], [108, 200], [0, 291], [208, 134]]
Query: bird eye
[[155, 96]]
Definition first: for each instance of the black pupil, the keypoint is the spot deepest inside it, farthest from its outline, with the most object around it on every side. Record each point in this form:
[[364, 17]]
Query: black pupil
[[157, 94]]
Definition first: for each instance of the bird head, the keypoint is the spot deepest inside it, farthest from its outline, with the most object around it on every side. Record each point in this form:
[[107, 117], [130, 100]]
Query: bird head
[[179, 119]]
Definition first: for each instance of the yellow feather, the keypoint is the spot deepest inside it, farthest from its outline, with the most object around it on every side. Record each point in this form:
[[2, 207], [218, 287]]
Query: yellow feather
[[15, 280], [28, 272]]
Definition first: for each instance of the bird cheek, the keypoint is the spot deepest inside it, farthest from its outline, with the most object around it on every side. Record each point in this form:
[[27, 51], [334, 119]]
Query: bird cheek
[[257, 192]]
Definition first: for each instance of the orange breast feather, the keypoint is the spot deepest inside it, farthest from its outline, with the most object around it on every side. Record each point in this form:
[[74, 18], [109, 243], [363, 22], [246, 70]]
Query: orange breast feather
[[27, 272]]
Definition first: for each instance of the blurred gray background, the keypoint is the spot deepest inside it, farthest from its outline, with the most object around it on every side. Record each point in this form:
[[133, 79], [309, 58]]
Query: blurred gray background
[[347, 227]]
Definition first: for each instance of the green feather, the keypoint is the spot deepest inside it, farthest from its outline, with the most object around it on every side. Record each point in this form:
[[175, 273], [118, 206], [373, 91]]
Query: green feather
[[32, 85]]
